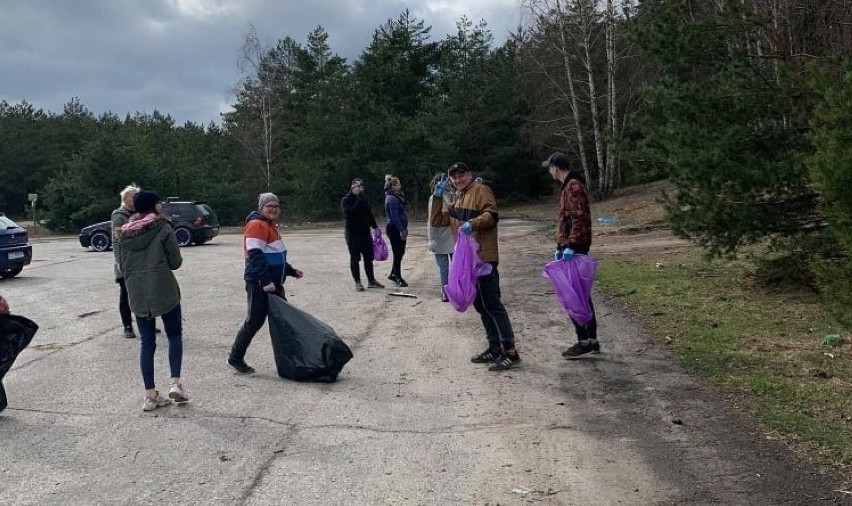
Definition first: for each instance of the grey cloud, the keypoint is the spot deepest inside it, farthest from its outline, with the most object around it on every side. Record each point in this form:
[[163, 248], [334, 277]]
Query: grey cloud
[[128, 56]]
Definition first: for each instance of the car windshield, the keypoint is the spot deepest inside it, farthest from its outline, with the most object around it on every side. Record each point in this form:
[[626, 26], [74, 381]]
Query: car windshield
[[204, 208], [6, 223]]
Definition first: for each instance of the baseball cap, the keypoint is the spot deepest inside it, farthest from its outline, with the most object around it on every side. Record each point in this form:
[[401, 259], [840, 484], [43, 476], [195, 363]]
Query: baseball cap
[[458, 167], [558, 158]]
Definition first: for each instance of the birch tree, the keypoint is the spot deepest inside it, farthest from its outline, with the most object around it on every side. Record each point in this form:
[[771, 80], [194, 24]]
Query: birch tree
[[259, 117], [566, 53]]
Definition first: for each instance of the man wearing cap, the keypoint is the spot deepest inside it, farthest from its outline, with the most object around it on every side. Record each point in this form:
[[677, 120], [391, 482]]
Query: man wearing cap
[[358, 219], [574, 236], [266, 269], [474, 213]]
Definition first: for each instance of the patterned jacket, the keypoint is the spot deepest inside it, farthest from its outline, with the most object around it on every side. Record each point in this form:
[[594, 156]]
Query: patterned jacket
[[477, 205], [574, 222]]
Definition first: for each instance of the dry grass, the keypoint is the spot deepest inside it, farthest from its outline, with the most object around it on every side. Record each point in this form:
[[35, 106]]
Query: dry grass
[[762, 345]]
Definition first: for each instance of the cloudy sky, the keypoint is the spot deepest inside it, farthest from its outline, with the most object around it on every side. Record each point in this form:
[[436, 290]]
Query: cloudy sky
[[179, 56]]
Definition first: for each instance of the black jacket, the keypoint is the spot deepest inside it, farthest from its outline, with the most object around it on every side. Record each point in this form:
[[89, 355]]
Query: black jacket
[[357, 216]]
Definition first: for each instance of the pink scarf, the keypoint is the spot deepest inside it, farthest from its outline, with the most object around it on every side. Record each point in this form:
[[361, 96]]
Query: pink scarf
[[139, 223]]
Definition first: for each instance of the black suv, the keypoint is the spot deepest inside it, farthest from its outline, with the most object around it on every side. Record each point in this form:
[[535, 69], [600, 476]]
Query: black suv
[[194, 222], [15, 251]]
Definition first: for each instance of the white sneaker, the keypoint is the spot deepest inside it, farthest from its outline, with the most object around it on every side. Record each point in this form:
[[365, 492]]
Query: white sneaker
[[177, 393], [159, 401]]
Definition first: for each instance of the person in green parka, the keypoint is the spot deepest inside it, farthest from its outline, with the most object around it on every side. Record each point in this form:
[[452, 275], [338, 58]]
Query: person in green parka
[[149, 253]]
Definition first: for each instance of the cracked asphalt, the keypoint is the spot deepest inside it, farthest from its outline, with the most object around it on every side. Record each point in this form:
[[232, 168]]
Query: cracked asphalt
[[411, 421]]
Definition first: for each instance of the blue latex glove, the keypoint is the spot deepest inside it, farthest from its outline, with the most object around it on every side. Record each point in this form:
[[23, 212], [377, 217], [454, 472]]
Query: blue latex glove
[[563, 254], [466, 228], [440, 186]]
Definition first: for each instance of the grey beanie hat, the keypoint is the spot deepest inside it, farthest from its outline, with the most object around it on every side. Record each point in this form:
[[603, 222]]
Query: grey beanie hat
[[266, 198]]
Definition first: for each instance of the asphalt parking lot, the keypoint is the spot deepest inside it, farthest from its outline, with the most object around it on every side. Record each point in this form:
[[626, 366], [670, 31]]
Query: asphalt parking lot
[[411, 421]]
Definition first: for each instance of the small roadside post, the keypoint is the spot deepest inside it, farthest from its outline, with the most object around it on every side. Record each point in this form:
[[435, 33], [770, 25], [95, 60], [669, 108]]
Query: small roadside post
[[33, 198]]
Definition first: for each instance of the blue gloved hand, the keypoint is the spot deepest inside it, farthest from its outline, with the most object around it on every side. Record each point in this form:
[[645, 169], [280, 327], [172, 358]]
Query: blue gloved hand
[[563, 254], [466, 228], [440, 186]]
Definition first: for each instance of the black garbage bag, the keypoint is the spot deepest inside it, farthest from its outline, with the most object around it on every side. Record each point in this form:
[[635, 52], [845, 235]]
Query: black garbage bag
[[305, 348], [16, 332]]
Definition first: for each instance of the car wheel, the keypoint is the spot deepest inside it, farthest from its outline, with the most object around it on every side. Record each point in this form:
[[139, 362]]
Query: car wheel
[[100, 241], [11, 272], [183, 236]]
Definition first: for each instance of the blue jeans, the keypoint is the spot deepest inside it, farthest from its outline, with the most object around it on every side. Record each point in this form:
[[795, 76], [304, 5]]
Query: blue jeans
[[173, 328], [495, 319], [443, 261]]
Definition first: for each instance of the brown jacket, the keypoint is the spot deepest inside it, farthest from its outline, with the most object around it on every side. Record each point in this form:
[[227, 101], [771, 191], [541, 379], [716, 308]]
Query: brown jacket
[[574, 223], [477, 205]]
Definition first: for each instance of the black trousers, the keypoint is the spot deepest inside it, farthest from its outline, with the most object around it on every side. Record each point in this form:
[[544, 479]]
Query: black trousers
[[495, 319], [589, 330], [398, 250], [124, 304], [360, 246], [258, 310]]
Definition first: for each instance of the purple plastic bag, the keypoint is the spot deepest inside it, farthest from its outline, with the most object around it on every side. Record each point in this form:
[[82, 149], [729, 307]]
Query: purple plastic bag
[[573, 280], [464, 269], [380, 248]]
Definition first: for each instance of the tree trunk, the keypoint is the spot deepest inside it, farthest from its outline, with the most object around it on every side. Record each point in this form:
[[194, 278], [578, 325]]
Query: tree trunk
[[607, 179], [587, 14], [569, 77]]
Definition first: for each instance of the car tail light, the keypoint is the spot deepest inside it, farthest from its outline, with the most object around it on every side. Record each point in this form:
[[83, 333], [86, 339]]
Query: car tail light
[[199, 221]]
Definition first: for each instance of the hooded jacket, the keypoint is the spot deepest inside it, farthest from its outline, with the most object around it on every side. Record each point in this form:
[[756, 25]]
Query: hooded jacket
[[147, 258], [264, 252], [477, 205], [395, 211]]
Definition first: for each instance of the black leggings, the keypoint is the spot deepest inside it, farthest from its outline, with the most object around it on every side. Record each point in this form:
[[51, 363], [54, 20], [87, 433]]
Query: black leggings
[[398, 249], [590, 329], [124, 304], [360, 245]]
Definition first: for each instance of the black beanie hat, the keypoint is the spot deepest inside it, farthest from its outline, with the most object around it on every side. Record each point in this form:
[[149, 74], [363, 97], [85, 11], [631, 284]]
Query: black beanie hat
[[145, 202]]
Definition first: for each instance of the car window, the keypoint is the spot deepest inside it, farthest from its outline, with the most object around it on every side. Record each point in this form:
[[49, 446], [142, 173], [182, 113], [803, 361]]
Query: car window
[[171, 209], [204, 208], [6, 223]]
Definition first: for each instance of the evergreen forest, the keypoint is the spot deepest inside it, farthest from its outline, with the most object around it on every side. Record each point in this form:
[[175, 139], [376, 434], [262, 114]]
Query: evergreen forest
[[744, 105]]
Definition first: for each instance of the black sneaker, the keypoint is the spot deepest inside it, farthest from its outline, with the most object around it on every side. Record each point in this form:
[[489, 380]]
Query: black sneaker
[[375, 284], [486, 357], [240, 367], [401, 282], [505, 361], [581, 348], [359, 287], [128, 333]]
